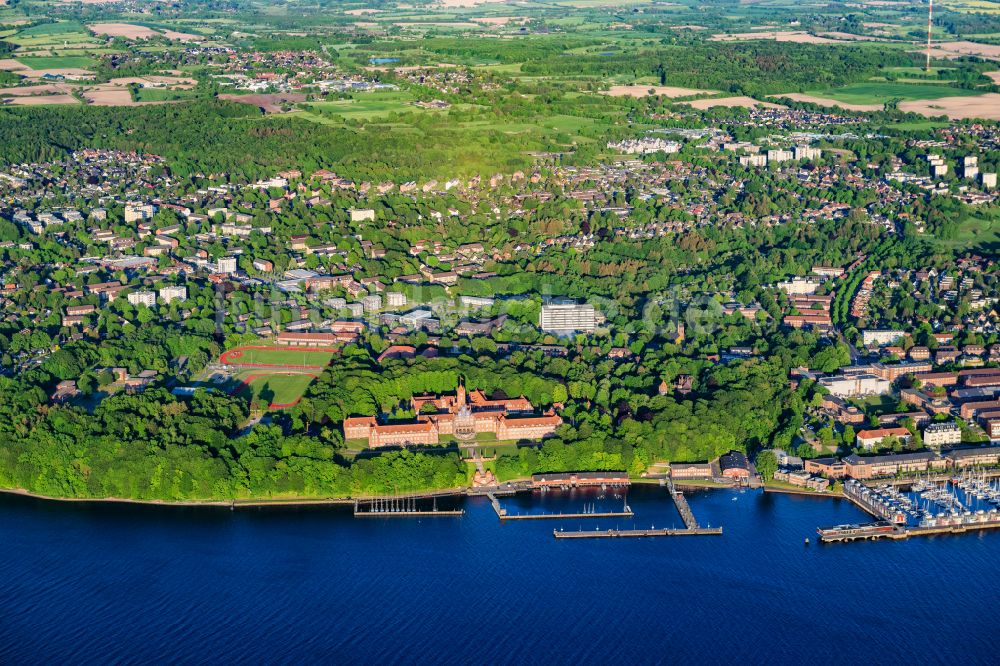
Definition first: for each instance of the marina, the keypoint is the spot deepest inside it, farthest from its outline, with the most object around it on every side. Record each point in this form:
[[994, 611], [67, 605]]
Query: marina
[[921, 507], [615, 534], [400, 507]]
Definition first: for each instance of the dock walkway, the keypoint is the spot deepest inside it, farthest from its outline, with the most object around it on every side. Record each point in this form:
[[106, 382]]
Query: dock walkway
[[620, 534], [683, 507]]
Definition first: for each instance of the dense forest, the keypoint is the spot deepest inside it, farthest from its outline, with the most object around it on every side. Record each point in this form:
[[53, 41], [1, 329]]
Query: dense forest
[[215, 137]]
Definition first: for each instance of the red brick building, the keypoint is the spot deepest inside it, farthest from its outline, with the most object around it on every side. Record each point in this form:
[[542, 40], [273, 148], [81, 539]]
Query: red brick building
[[460, 415]]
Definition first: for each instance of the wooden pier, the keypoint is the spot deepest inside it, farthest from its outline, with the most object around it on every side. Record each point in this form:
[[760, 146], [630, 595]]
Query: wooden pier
[[683, 507], [636, 534]]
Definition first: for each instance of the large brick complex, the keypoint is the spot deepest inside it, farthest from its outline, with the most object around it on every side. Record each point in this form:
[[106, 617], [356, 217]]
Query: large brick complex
[[460, 415]]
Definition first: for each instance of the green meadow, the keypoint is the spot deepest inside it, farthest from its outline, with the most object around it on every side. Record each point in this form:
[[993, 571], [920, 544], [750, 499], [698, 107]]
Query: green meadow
[[57, 62], [878, 93]]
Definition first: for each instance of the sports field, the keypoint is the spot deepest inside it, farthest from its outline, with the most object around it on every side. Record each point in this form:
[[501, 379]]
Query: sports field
[[277, 357], [279, 390]]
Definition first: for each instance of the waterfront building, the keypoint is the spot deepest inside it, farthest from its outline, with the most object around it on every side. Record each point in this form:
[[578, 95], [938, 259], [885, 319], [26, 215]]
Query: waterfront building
[[978, 456], [734, 465], [680, 471], [579, 479], [831, 468], [868, 467]]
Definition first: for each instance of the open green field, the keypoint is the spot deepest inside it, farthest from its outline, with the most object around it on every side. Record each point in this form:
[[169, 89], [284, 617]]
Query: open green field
[[164, 95], [980, 231], [878, 93], [57, 62], [277, 390], [60, 28], [367, 106]]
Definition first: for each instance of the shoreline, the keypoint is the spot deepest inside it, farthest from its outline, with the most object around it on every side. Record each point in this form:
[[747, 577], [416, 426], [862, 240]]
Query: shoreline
[[222, 504], [292, 502]]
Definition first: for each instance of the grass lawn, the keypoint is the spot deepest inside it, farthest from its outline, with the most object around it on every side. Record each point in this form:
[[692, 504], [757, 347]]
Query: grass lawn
[[366, 106], [57, 62], [877, 93], [278, 357], [277, 390]]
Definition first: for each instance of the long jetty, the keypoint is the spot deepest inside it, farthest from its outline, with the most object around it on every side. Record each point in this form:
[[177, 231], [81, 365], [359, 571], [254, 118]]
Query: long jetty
[[621, 534], [683, 507]]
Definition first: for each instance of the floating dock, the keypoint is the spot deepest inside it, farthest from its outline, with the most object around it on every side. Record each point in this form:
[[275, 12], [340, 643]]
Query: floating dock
[[882, 530], [637, 534], [555, 516]]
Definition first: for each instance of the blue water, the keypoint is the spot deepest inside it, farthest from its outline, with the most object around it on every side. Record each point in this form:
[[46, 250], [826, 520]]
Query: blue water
[[131, 584], [382, 61]]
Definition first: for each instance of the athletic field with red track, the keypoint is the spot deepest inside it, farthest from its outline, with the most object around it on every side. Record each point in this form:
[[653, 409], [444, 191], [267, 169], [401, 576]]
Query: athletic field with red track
[[277, 375]]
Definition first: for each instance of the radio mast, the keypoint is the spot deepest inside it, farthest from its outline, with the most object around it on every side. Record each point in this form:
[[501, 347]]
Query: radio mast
[[930, 14]]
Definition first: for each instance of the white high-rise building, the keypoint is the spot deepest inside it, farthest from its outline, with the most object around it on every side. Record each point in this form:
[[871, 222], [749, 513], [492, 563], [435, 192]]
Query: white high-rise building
[[779, 155], [173, 293], [147, 298], [227, 265], [803, 152]]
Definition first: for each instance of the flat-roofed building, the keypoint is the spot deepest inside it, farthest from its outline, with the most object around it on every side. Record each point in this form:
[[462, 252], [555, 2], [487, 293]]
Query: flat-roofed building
[[880, 337], [147, 298], [567, 318], [832, 468], [855, 385]]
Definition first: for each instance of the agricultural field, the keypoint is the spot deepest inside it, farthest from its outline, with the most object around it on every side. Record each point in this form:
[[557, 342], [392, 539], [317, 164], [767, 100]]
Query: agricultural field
[[57, 62], [973, 6], [879, 93]]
